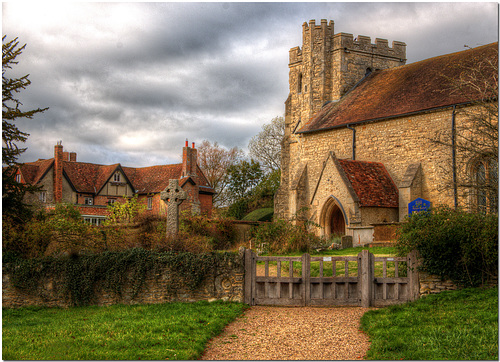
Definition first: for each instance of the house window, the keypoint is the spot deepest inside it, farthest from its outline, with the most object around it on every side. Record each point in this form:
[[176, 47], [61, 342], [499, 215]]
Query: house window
[[18, 178], [150, 203], [116, 177], [484, 186], [43, 197], [94, 220], [89, 201], [111, 201]]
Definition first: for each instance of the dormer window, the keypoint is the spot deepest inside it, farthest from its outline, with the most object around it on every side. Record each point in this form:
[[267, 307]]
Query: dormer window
[[116, 177]]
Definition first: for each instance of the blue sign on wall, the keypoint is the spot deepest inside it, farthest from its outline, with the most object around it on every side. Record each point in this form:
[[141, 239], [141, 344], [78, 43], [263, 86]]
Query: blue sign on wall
[[418, 205]]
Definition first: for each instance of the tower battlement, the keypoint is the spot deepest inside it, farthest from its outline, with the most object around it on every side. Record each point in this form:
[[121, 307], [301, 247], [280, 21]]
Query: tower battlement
[[362, 43], [344, 41]]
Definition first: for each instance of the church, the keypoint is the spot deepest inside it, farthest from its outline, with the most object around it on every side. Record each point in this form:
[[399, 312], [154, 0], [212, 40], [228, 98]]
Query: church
[[367, 135]]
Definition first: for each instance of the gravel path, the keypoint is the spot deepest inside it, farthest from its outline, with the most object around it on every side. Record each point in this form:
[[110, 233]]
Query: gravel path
[[292, 333]]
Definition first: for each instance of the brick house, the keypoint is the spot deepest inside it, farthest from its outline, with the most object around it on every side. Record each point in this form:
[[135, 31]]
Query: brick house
[[91, 187], [359, 127]]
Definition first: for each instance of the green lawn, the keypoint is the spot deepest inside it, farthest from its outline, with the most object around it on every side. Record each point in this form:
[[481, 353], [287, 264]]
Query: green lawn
[[454, 325], [176, 331]]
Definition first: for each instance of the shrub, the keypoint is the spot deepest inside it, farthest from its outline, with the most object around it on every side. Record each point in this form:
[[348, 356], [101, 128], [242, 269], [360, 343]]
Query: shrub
[[283, 237], [453, 244]]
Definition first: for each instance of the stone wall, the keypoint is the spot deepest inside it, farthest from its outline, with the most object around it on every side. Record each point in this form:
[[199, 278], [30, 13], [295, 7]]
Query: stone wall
[[227, 284], [432, 284]]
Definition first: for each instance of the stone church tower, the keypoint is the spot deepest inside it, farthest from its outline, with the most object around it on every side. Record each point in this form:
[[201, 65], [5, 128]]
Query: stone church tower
[[326, 67], [329, 65]]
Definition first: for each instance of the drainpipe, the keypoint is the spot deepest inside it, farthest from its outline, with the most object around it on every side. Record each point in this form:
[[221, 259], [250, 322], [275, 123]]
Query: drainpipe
[[453, 156], [353, 142]]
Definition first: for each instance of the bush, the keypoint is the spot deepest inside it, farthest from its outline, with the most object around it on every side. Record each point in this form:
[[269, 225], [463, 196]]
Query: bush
[[282, 237], [56, 231], [453, 244]]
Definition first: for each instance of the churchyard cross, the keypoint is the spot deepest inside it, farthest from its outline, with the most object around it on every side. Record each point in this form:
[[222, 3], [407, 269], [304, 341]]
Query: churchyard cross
[[173, 195]]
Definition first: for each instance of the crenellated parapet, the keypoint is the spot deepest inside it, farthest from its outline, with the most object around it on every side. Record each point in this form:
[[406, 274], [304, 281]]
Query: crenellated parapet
[[363, 44]]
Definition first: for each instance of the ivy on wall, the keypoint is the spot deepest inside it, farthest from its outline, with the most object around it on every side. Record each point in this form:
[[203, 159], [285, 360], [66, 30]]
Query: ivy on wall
[[79, 277]]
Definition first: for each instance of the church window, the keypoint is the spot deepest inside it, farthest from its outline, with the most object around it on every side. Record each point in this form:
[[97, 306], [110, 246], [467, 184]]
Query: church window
[[484, 186], [299, 84]]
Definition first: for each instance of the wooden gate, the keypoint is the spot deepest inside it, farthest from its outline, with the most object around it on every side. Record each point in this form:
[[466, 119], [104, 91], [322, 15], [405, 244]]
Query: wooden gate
[[362, 280]]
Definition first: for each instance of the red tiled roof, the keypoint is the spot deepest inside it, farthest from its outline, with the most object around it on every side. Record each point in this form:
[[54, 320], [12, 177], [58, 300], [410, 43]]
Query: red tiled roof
[[154, 178], [371, 183], [91, 177], [408, 89], [33, 171]]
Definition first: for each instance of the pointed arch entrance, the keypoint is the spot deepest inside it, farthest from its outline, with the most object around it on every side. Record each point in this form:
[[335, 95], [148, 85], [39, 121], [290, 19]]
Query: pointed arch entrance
[[333, 218]]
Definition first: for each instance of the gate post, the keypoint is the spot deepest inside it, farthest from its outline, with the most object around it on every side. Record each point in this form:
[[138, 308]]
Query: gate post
[[306, 274], [413, 276], [366, 279], [249, 276]]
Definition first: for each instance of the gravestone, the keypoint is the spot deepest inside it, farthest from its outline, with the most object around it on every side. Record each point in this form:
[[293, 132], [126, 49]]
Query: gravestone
[[346, 241], [173, 196]]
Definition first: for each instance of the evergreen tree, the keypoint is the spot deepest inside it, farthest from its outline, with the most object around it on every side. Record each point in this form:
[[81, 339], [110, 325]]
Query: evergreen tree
[[12, 191]]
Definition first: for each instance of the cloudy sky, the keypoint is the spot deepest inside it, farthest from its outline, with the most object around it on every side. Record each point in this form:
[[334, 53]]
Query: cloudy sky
[[129, 82]]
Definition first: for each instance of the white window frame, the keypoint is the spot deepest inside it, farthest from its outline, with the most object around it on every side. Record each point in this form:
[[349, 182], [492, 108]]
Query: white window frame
[[43, 197], [117, 177]]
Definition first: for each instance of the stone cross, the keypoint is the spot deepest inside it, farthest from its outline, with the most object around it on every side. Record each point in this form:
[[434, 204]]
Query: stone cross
[[173, 195]]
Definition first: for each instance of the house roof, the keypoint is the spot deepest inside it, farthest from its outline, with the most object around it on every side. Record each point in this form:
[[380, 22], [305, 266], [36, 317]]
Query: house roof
[[408, 89], [90, 177], [371, 183]]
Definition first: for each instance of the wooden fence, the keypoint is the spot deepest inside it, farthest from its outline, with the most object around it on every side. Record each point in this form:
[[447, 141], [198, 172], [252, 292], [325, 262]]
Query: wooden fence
[[362, 280]]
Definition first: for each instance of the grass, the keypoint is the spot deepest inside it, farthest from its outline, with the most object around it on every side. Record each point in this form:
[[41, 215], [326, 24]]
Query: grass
[[177, 331], [452, 325]]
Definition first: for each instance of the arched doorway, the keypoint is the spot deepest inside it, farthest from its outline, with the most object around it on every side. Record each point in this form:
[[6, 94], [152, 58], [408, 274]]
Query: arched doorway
[[333, 218], [337, 222]]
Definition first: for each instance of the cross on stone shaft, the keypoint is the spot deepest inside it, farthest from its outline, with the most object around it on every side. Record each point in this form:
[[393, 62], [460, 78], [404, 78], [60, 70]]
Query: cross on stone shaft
[[173, 195]]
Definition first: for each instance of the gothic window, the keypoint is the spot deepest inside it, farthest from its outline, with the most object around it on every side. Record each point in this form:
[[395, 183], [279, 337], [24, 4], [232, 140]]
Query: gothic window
[[299, 84], [484, 186]]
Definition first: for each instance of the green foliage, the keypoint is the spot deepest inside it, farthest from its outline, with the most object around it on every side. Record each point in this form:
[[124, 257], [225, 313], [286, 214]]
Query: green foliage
[[60, 230], [283, 237], [452, 325], [12, 191], [261, 196], [80, 275], [124, 212], [243, 177], [260, 215], [454, 244], [172, 331]]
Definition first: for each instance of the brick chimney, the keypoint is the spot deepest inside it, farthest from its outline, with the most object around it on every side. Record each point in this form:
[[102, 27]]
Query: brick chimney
[[58, 171], [189, 159], [72, 157]]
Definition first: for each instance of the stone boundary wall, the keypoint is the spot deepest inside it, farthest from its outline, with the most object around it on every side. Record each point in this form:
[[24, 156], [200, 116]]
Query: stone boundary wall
[[432, 284], [226, 285]]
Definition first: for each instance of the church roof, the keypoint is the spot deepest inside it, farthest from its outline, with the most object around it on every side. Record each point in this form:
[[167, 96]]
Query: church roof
[[371, 182], [409, 89]]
